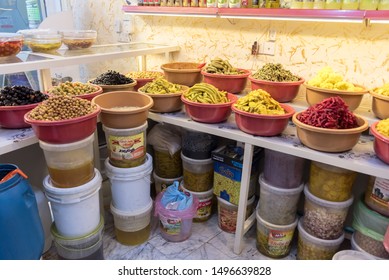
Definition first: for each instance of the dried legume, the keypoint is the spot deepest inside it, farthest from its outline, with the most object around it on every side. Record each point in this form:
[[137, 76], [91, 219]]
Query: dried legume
[[72, 89], [144, 75]]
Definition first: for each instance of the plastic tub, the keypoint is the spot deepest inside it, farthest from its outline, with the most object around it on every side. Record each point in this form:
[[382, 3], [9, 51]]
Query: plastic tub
[[322, 218], [87, 247], [198, 174], [70, 165], [373, 246], [162, 183], [283, 170], [274, 241], [230, 83], [204, 209], [132, 228], [167, 165], [356, 247], [330, 182], [376, 195], [228, 213], [76, 210], [198, 145], [351, 255], [313, 248], [276, 205], [130, 187], [175, 226], [126, 147], [10, 44]]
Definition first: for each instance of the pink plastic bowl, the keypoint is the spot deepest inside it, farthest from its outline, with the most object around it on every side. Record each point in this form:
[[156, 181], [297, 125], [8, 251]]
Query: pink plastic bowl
[[209, 113], [262, 125], [280, 91], [229, 83], [381, 144], [13, 116], [64, 131]]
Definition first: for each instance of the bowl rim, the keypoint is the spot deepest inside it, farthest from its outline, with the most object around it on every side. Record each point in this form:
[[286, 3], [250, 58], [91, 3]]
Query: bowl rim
[[376, 134], [231, 97], [359, 129], [62, 122], [378, 96], [226, 76], [175, 70], [134, 83], [290, 83], [98, 90], [169, 94], [289, 113], [20, 107], [340, 92]]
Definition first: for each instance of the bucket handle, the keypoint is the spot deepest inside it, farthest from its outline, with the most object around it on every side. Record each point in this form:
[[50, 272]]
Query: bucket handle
[[12, 173]]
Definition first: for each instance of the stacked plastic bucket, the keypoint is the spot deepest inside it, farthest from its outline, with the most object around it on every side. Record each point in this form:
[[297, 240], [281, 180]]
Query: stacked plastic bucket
[[280, 190], [129, 168]]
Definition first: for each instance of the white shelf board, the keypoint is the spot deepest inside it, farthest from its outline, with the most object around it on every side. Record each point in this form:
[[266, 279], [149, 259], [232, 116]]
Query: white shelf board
[[14, 139]]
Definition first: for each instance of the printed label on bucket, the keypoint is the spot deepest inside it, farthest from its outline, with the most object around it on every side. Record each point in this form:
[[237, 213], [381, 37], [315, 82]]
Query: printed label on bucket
[[380, 192], [127, 147], [277, 241], [171, 226], [204, 208]]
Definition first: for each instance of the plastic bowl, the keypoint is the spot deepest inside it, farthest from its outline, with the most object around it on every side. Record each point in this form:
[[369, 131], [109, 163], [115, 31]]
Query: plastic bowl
[[29, 33], [209, 113], [45, 42], [353, 99], [147, 76], [166, 103], [280, 91], [329, 140], [88, 96], [123, 109], [229, 83], [183, 73], [381, 144], [10, 44], [64, 131], [263, 125], [109, 88], [78, 39], [380, 105], [13, 116]]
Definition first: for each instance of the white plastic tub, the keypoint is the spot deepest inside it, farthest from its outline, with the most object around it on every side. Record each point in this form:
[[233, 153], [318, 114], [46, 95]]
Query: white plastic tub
[[76, 210], [162, 183], [204, 209], [130, 187], [198, 173]]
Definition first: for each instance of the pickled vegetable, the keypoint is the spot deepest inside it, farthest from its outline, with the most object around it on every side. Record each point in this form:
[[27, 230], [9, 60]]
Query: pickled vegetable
[[198, 182], [329, 79], [206, 93], [384, 90], [310, 251], [259, 102], [383, 127], [161, 86], [220, 66], [144, 75], [166, 165], [275, 72]]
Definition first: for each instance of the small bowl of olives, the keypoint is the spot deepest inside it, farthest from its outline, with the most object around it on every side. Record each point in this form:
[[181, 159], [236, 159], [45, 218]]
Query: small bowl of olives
[[78, 39], [114, 81]]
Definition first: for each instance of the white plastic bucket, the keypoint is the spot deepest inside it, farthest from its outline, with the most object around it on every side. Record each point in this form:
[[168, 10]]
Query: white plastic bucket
[[198, 173], [204, 209], [130, 187], [76, 210], [162, 183]]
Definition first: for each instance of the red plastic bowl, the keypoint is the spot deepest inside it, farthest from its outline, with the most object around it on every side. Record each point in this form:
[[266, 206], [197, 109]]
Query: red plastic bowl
[[229, 83], [262, 125], [64, 131], [13, 116], [280, 91], [381, 144], [209, 113]]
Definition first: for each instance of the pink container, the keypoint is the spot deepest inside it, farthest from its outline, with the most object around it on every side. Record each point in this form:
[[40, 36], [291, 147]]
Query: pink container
[[175, 225], [13, 116], [229, 83], [381, 144]]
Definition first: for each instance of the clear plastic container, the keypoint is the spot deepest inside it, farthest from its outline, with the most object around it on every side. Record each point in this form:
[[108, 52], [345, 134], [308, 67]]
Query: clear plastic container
[[283, 170], [228, 213], [198, 145], [330, 182], [383, 5], [377, 195], [333, 4], [322, 218], [371, 245], [355, 246], [351, 255], [78, 39], [45, 42], [10, 44], [162, 183], [70, 165], [274, 241], [198, 174], [368, 4], [167, 165], [204, 209], [312, 248], [276, 205], [350, 4]]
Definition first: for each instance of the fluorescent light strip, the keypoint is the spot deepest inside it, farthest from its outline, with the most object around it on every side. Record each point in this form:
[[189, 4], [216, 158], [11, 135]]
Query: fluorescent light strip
[[293, 19], [385, 21]]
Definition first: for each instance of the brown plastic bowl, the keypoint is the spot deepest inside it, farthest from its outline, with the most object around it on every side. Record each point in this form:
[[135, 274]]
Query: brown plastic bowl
[[108, 88], [115, 117], [380, 105], [329, 140], [166, 103], [183, 73], [353, 99]]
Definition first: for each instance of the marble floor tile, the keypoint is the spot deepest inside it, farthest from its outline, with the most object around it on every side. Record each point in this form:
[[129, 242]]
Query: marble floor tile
[[207, 252]]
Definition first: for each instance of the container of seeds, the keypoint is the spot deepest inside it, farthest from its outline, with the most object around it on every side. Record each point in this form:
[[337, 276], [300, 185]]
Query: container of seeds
[[114, 81], [322, 218]]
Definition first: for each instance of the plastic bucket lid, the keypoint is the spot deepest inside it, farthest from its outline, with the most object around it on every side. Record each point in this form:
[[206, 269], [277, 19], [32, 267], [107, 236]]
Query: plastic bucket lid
[[327, 203], [72, 195], [125, 131], [67, 147], [131, 173], [200, 195], [356, 247], [232, 206], [318, 241], [279, 191], [352, 255], [196, 161], [291, 226]]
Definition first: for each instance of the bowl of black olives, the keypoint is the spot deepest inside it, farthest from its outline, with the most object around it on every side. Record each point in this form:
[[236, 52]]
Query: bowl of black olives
[[114, 81]]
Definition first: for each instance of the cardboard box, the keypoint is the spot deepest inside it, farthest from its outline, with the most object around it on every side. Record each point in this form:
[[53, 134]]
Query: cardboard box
[[228, 164]]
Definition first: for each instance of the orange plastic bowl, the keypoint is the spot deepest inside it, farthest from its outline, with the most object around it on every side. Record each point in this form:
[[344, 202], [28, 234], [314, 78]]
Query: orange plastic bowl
[[209, 113], [381, 144], [260, 124], [229, 83], [13, 116], [64, 131], [280, 91]]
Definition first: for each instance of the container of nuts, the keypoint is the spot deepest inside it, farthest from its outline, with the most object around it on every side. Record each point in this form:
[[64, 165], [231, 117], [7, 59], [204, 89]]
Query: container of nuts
[[76, 89], [63, 119], [78, 39], [322, 218]]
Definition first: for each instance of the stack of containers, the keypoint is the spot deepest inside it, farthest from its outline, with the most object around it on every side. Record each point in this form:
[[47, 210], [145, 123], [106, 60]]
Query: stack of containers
[[128, 168], [328, 197], [280, 190], [72, 187]]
